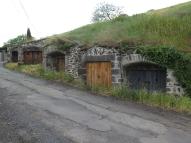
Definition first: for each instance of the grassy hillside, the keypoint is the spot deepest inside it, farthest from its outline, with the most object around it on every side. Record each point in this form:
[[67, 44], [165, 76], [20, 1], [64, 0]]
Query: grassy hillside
[[178, 10], [161, 27]]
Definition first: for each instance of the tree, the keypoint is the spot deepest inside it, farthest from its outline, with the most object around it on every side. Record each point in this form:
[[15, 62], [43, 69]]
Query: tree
[[29, 36], [105, 11], [18, 40]]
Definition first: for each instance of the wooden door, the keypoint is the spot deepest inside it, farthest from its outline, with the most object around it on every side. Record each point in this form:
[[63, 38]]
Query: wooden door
[[61, 63], [99, 74], [37, 57], [32, 57], [150, 80], [28, 57]]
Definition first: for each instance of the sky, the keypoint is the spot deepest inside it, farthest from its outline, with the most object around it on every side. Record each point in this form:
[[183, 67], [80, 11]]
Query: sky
[[49, 17]]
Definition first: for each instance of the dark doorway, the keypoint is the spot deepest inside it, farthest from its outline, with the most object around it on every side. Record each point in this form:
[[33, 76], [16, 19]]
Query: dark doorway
[[145, 76], [56, 61], [14, 56]]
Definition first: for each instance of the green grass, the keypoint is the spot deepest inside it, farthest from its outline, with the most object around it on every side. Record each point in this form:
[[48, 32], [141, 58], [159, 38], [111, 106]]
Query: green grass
[[38, 71], [177, 10], [11, 66], [142, 29], [161, 100]]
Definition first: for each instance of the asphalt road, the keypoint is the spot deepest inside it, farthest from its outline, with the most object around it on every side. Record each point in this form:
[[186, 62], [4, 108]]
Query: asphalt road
[[37, 111]]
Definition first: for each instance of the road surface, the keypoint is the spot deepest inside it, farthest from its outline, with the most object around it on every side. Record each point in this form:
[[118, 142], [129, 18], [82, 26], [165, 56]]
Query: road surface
[[37, 111]]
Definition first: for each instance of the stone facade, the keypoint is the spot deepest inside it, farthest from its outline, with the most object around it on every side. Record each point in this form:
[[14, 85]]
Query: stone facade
[[76, 59], [172, 85], [71, 59], [36, 45], [133, 58]]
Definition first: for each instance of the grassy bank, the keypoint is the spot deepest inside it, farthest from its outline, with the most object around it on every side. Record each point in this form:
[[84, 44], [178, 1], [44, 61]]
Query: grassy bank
[[169, 26], [38, 71], [161, 100]]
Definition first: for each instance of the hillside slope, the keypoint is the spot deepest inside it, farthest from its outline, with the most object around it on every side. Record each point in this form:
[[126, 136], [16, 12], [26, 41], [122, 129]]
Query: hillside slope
[[161, 27], [177, 10]]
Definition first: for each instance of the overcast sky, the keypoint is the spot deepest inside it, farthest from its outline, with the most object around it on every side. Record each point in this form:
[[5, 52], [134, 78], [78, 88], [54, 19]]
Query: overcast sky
[[48, 17]]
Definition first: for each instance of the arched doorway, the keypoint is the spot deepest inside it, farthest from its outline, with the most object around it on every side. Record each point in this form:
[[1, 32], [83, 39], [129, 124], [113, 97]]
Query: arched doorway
[[144, 75], [56, 61]]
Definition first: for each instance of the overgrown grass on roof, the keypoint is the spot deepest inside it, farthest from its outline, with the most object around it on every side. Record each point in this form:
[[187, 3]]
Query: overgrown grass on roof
[[156, 28]]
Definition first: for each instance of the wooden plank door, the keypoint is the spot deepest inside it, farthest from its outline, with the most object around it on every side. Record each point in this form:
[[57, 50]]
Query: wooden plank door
[[150, 80], [37, 57], [61, 63], [28, 57], [99, 74]]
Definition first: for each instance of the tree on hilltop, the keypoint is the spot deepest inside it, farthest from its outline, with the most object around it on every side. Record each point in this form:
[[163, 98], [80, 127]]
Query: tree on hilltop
[[105, 11]]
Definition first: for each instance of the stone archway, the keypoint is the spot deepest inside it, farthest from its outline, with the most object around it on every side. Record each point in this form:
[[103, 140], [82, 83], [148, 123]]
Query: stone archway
[[56, 61], [139, 73]]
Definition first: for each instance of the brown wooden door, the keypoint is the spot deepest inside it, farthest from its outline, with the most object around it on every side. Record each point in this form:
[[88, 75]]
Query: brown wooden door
[[28, 57], [99, 74], [32, 57], [61, 63], [37, 57]]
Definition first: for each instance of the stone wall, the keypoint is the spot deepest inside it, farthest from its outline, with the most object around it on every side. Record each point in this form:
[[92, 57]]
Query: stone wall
[[76, 59], [3, 55], [172, 85], [28, 46], [71, 59]]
